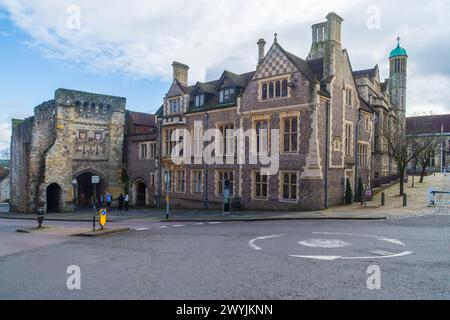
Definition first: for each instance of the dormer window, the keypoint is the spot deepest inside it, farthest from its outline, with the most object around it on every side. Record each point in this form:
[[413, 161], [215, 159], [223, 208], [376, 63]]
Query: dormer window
[[175, 105], [227, 95], [199, 100]]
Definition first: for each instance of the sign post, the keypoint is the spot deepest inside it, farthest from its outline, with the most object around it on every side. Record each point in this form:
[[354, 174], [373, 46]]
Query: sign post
[[226, 197], [167, 180], [95, 181]]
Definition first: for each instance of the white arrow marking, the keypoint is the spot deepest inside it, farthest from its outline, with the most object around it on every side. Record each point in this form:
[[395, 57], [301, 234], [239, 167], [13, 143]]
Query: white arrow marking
[[395, 241], [252, 244], [142, 229], [333, 258], [325, 258]]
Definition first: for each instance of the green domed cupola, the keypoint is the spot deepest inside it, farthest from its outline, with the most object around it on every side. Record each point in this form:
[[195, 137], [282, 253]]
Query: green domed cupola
[[398, 51]]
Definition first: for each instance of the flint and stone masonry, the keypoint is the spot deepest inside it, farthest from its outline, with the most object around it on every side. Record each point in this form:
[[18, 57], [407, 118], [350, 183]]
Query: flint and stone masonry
[[57, 151]]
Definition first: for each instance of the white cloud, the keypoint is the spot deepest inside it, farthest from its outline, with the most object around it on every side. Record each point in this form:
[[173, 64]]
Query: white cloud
[[140, 39], [5, 135]]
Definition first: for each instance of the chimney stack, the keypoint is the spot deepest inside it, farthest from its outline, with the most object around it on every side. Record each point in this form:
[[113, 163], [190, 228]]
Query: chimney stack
[[261, 50], [180, 72]]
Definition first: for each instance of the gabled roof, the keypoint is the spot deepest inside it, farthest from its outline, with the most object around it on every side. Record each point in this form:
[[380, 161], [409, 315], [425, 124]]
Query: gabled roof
[[300, 64], [240, 80]]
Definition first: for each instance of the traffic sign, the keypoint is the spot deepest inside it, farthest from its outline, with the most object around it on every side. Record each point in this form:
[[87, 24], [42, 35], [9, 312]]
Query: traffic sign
[[103, 217], [95, 179]]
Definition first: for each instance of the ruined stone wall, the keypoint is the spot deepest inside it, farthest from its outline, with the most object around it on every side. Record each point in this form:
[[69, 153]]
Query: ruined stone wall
[[20, 152]]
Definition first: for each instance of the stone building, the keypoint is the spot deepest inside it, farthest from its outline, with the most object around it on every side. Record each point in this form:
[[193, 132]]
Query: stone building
[[437, 126], [388, 99], [316, 118], [326, 114], [55, 153], [4, 188], [140, 158]]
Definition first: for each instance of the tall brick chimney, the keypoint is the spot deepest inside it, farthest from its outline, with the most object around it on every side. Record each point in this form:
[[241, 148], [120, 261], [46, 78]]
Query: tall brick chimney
[[261, 50], [180, 72]]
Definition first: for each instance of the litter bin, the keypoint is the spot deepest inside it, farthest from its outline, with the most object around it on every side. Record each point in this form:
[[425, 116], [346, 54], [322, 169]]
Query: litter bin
[[40, 217], [369, 195]]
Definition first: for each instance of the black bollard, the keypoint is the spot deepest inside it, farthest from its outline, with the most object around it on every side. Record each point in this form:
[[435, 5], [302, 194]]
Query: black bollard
[[383, 199], [405, 199]]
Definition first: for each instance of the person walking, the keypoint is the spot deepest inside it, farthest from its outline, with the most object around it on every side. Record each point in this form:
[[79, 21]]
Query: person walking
[[121, 201], [127, 199], [108, 201]]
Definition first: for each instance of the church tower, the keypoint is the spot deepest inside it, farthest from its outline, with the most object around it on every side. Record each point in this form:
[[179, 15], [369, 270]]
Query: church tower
[[397, 81]]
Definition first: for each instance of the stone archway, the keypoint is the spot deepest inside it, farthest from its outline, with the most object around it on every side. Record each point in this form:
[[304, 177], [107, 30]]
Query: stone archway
[[139, 194], [85, 189], [53, 198]]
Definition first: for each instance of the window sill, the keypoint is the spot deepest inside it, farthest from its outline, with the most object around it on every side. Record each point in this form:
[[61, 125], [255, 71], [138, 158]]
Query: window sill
[[273, 99]]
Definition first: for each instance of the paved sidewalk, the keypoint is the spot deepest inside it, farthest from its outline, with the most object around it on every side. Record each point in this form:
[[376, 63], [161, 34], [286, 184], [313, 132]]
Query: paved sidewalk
[[417, 205]]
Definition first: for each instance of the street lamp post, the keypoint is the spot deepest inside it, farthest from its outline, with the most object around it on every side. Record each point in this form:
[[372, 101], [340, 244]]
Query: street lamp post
[[75, 195]]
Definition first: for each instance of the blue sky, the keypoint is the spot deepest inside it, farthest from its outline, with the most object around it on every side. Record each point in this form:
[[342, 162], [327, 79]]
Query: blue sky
[[126, 48]]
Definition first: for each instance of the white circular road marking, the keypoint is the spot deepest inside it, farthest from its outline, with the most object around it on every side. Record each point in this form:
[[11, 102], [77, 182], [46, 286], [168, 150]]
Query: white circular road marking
[[324, 243], [335, 244]]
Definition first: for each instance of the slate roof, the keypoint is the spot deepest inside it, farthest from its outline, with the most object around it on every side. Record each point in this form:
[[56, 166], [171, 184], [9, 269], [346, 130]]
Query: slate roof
[[434, 123], [366, 72], [142, 119], [363, 105]]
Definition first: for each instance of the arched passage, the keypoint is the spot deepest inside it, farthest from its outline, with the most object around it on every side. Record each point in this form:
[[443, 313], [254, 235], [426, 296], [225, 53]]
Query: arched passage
[[53, 198], [86, 189], [139, 194]]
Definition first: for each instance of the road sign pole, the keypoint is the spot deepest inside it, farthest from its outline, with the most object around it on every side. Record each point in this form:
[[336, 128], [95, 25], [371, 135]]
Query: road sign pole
[[95, 180], [167, 178], [93, 213]]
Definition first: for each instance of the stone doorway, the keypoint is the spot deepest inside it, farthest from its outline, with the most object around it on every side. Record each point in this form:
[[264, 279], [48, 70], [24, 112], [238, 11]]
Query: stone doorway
[[53, 198], [139, 194], [85, 189]]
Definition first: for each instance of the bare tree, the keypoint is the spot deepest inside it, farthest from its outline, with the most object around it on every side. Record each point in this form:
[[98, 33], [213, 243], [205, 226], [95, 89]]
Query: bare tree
[[429, 146], [402, 147]]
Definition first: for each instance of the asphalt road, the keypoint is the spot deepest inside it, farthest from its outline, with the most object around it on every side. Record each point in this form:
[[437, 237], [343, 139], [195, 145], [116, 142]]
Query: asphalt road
[[234, 260]]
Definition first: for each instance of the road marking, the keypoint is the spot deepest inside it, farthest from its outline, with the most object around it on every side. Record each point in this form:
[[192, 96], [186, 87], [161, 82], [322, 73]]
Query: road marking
[[142, 229], [252, 244], [178, 225], [324, 243], [333, 258], [394, 241], [198, 224], [214, 222]]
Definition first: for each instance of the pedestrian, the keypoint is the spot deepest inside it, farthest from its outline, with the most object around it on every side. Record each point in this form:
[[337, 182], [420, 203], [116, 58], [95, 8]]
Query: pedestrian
[[127, 199], [121, 200], [102, 201], [108, 201]]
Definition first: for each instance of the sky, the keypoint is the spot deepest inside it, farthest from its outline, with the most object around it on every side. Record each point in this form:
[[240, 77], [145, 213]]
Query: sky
[[126, 48]]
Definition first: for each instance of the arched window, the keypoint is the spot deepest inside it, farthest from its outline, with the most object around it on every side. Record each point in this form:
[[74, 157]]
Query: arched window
[[271, 90], [278, 89], [264, 91], [284, 89]]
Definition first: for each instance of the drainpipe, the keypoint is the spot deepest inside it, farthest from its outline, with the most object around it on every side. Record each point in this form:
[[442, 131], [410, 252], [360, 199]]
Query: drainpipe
[[356, 153], [205, 165], [327, 150], [160, 162]]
